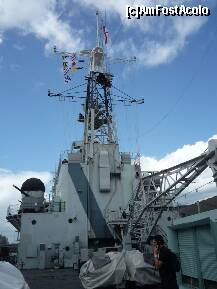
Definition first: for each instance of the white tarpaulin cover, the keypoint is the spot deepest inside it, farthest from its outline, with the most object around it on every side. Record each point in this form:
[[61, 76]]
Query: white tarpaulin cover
[[125, 265], [11, 277], [140, 271], [111, 273]]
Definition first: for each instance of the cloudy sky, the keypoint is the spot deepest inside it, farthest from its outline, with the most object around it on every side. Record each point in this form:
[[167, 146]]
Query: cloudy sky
[[175, 72]]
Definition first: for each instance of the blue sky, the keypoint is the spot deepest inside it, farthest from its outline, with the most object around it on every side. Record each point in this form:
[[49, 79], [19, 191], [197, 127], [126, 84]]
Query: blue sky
[[39, 128], [175, 72]]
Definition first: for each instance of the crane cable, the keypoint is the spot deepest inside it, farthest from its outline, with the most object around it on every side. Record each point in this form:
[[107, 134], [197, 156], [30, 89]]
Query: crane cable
[[195, 189]]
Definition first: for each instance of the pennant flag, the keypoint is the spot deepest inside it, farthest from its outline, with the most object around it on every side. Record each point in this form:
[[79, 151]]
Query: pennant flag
[[75, 68], [73, 55], [65, 65], [70, 65], [66, 71], [64, 57], [105, 33], [67, 78], [73, 61]]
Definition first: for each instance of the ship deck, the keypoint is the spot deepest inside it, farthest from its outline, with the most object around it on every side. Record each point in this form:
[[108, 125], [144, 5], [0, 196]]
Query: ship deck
[[61, 279], [52, 279]]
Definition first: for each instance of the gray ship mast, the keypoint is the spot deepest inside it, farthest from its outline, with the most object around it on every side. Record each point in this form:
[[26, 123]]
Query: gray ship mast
[[98, 122], [99, 125]]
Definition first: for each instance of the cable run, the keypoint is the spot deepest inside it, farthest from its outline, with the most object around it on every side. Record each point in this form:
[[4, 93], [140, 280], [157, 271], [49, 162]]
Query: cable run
[[124, 93], [195, 189], [73, 87], [182, 94]]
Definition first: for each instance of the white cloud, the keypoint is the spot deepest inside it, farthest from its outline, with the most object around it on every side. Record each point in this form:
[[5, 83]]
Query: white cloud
[[41, 19], [183, 154], [154, 40], [154, 52], [10, 196]]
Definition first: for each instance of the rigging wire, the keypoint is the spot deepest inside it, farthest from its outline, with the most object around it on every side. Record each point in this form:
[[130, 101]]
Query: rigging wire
[[124, 93], [182, 94], [71, 88], [120, 26], [173, 107], [195, 189], [137, 130]]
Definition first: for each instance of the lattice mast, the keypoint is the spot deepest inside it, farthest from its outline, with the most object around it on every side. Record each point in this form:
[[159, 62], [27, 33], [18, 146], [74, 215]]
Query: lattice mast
[[98, 124]]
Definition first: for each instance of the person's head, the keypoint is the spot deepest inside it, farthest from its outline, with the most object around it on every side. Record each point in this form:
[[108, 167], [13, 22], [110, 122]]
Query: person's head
[[158, 240]]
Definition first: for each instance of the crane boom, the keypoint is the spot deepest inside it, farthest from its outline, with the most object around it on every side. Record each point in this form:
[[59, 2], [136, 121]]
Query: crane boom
[[156, 191]]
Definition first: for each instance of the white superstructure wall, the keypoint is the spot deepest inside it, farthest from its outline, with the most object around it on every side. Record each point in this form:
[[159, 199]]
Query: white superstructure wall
[[90, 192]]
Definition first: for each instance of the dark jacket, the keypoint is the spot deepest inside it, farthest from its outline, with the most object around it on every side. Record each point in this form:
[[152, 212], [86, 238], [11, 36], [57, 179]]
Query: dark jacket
[[167, 273]]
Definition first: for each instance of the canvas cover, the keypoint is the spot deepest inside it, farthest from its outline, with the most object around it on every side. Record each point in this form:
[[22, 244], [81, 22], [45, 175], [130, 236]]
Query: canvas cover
[[11, 277], [94, 274], [116, 268], [140, 271]]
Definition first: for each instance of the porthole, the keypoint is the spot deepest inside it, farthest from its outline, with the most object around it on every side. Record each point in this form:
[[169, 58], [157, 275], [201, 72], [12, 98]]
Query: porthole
[[67, 248], [169, 218], [70, 220], [34, 222]]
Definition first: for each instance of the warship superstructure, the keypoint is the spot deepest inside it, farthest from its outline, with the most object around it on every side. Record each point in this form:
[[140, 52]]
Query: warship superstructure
[[92, 185], [100, 197]]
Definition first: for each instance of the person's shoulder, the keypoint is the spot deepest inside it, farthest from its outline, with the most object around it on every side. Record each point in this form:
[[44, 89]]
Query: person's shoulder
[[165, 251]]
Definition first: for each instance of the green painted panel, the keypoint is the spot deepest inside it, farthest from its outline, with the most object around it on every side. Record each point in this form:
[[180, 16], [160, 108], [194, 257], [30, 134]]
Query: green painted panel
[[187, 253], [207, 252]]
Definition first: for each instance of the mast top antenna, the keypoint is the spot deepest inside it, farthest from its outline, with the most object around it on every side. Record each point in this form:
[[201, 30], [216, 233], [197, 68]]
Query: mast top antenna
[[97, 28]]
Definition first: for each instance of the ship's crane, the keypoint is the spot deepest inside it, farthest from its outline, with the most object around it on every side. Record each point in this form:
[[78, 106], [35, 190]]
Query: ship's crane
[[156, 191]]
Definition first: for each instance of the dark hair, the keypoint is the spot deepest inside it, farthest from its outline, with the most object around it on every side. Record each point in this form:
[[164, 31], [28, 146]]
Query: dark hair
[[159, 239]]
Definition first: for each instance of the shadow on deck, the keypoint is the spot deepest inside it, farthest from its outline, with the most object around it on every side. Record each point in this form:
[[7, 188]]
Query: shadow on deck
[[62, 279]]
